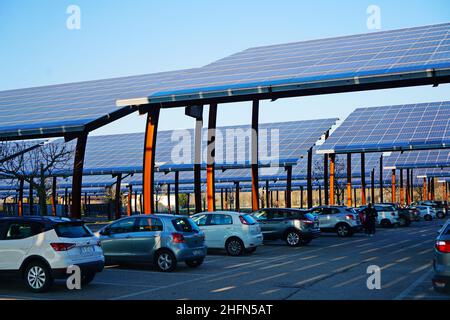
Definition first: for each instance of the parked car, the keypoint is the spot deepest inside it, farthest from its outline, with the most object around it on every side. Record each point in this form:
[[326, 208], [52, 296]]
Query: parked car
[[441, 261], [296, 227], [231, 231], [405, 215], [387, 215], [342, 220], [161, 239], [440, 207], [40, 249], [426, 212]]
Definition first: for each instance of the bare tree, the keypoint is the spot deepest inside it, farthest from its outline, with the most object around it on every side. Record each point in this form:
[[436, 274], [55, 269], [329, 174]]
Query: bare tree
[[36, 166], [340, 175]]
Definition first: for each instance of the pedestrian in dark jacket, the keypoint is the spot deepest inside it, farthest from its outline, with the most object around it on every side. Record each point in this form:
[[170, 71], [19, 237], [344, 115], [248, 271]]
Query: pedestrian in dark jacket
[[370, 219]]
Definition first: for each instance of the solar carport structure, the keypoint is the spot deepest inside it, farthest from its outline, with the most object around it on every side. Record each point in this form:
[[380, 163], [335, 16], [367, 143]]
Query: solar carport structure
[[401, 128], [407, 57]]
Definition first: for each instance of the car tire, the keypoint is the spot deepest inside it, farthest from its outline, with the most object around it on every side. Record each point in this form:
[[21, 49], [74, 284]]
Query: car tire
[[428, 217], [343, 230], [251, 250], [87, 278], [293, 238], [234, 247], [165, 261], [38, 277], [386, 223], [440, 215]]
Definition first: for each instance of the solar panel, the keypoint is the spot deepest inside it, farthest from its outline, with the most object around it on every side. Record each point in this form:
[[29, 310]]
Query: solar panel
[[357, 59], [418, 159], [61, 109], [392, 128]]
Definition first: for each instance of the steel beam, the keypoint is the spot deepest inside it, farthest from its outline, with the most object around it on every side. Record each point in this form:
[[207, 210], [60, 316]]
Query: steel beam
[[325, 178], [309, 179], [288, 187], [53, 196], [332, 176], [402, 189], [20, 200], [236, 197], [394, 187], [118, 200], [381, 180], [363, 179], [210, 161], [130, 200], [177, 193], [349, 180], [77, 180], [148, 176], [372, 182], [255, 155]]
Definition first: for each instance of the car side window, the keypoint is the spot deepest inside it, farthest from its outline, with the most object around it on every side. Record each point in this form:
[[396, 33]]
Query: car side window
[[326, 211], [261, 215], [149, 224], [124, 226], [334, 211], [279, 214], [221, 219], [20, 230], [201, 220], [2, 229]]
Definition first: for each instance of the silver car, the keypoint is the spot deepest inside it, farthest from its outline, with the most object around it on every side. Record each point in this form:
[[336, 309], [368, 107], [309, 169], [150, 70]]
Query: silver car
[[163, 240], [441, 261], [342, 220]]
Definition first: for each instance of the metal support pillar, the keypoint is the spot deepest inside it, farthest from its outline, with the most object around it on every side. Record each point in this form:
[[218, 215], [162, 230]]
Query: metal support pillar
[[20, 200], [394, 187], [402, 189], [255, 156], [332, 176], [288, 187], [236, 197], [211, 155], [130, 200], [177, 192], [77, 179], [325, 178], [372, 182], [148, 176], [349, 180], [118, 200], [381, 180], [363, 179], [309, 179]]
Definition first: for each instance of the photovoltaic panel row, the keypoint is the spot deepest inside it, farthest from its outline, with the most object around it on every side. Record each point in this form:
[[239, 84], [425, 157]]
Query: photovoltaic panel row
[[393, 128], [419, 159], [290, 66]]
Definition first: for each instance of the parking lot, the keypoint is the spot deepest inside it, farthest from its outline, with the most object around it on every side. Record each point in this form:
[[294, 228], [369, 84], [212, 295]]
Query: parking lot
[[328, 268]]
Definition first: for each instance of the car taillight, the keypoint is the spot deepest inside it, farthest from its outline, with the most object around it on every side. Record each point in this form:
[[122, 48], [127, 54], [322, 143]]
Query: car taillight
[[177, 238], [243, 221], [443, 246], [62, 246], [350, 217], [308, 221]]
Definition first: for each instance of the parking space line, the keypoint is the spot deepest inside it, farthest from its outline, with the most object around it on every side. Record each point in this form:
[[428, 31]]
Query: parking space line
[[124, 284], [405, 293], [267, 278]]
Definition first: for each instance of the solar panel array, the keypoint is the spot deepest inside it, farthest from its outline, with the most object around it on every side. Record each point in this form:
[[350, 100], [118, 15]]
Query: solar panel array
[[302, 63], [390, 128], [419, 159]]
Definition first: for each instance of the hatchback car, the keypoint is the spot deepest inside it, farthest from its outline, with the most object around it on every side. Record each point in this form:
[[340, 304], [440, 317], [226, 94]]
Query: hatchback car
[[230, 230], [161, 239], [426, 212], [296, 227], [342, 220], [40, 249], [441, 261]]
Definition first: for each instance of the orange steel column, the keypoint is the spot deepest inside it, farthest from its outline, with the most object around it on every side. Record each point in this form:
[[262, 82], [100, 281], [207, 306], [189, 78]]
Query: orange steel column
[[255, 156], [425, 191], [148, 176], [211, 155], [402, 189], [20, 200], [394, 187], [130, 197], [332, 173], [77, 180], [349, 180]]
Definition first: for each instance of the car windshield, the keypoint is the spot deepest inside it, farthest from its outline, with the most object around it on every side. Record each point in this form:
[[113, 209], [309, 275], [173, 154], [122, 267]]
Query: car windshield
[[249, 219], [184, 225], [69, 230]]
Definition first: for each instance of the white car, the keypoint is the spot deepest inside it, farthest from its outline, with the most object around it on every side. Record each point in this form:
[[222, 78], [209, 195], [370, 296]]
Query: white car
[[232, 231], [387, 215], [40, 249], [426, 212]]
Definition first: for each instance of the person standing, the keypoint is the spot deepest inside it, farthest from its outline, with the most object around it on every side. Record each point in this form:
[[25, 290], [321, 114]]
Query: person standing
[[371, 219]]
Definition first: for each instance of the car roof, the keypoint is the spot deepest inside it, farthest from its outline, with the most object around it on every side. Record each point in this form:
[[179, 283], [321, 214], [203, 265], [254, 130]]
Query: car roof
[[220, 212], [43, 219]]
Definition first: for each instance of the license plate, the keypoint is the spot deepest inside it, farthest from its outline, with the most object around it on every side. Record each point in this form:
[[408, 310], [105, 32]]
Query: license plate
[[87, 250], [197, 252]]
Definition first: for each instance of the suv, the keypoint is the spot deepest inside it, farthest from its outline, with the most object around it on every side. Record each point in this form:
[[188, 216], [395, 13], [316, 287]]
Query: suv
[[441, 261], [296, 227], [232, 231], [405, 215], [342, 220], [40, 249], [161, 239], [440, 207], [387, 215]]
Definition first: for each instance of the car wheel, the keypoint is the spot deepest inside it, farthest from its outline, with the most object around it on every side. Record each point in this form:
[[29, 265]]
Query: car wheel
[[87, 278], [386, 223], [251, 250], [293, 238], [234, 247], [165, 261], [37, 277], [194, 263], [343, 230], [440, 215], [428, 218]]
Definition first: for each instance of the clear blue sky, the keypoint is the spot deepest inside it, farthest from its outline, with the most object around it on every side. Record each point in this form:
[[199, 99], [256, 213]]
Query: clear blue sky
[[120, 38]]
